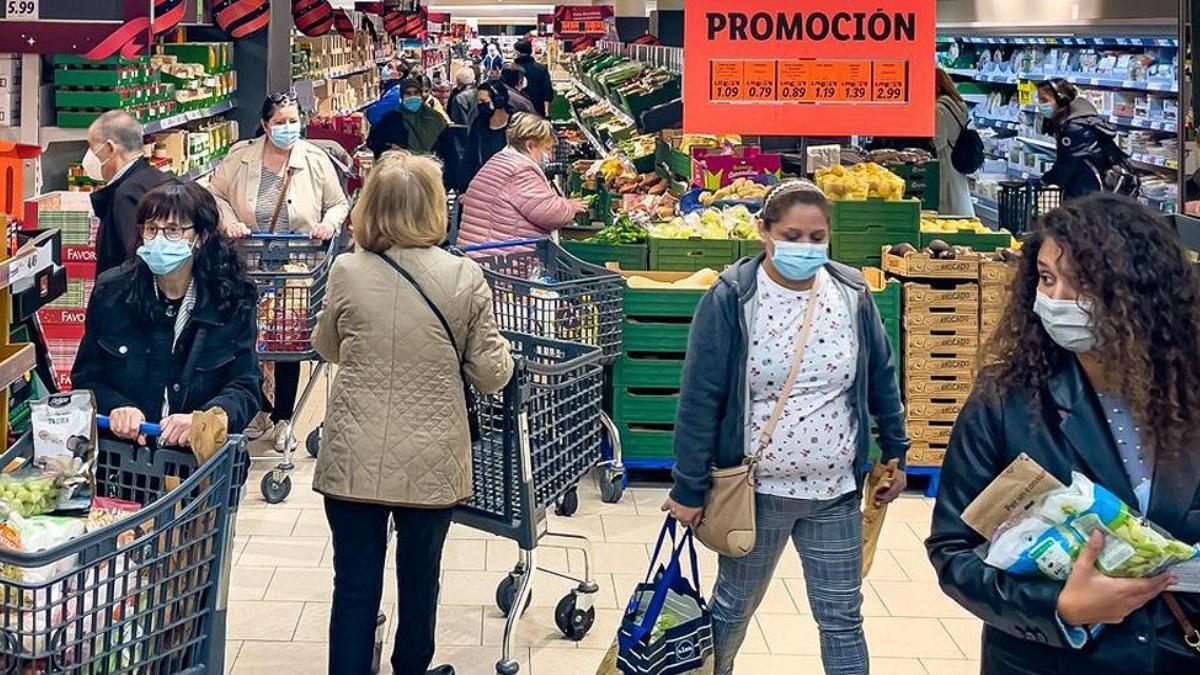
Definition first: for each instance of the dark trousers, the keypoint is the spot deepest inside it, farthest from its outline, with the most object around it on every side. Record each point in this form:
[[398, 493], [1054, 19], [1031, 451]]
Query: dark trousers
[[359, 550], [287, 384]]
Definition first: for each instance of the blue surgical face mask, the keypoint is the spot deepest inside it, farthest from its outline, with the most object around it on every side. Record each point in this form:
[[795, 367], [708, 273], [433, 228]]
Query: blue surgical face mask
[[799, 261], [284, 136], [164, 256], [411, 103], [1045, 109]]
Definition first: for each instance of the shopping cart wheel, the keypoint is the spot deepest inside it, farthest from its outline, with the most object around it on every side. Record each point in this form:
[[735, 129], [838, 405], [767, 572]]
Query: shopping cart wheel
[[275, 490], [612, 485], [568, 504], [313, 442], [572, 621], [506, 594]]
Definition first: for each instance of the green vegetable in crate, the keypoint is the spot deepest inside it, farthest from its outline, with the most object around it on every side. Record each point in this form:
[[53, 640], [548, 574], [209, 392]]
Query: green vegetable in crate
[[712, 223], [623, 231]]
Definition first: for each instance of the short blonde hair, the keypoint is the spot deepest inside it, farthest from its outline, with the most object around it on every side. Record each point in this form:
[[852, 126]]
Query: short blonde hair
[[403, 204], [525, 128]]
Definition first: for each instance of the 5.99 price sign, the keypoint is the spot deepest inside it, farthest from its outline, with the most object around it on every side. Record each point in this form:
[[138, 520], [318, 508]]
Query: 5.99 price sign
[[21, 10], [822, 69]]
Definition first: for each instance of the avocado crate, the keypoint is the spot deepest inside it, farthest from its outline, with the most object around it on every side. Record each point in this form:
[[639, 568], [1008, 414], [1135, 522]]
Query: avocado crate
[[977, 241], [952, 310], [920, 265], [627, 256], [921, 181], [692, 255], [925, 453]]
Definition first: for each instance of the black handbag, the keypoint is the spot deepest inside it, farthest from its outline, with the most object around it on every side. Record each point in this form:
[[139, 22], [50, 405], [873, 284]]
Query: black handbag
[[468, 393]]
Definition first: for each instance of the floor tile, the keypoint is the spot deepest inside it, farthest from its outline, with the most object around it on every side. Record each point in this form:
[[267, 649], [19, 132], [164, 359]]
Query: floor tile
[[949, 667], [275, 521], [910, 507], [460, 625], [307, 584], [898, 536], [479, 660], [897, 666], [283, 551], [272, 658], [562, 661], [632, 529], [232, 647], [249, 583], [314, 622], [790, 634], [311, 523], [470, 588], [772, 664], [261, 620], [967, 634], [607, 557], [535, 628], [465, 555], [904, 638], [917, 599], [885, 567], [915, 564]]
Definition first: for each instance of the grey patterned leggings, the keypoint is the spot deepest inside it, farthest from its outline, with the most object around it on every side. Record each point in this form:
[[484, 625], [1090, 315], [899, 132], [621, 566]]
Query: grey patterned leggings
[[828, 536]]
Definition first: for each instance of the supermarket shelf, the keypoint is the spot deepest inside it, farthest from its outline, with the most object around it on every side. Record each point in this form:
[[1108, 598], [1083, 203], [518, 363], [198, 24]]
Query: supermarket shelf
[[67, 135], [1155, 161], [203, 170], [337, 74], [1144, 123], [1038, 143], [1023, 174], [986, 209], [1067, 40], [1163, 86], [587, 133], [620, 114], [996, 123]]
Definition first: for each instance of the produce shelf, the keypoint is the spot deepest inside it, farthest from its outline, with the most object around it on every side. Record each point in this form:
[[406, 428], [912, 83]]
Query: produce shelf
[[620, 114]]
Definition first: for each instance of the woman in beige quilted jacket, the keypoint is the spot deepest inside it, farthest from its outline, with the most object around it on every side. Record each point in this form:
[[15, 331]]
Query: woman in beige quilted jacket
[[396, 441]]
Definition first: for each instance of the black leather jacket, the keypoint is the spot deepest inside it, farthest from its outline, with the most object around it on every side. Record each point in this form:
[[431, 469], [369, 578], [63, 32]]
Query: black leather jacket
[[1062, 430], [1085, 148]]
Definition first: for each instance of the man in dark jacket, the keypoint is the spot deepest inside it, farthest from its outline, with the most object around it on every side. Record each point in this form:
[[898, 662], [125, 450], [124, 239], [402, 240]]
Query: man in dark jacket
[[513, 77], [115, 156], [537, 78]]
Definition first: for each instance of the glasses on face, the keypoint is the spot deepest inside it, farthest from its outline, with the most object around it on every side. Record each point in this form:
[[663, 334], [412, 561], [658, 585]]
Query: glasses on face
[[172, 231], [282, 97]]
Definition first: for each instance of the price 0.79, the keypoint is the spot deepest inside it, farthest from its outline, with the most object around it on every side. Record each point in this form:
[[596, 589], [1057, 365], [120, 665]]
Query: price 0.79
[[760, 90], [20, 8], [726, 91], [888, 92]]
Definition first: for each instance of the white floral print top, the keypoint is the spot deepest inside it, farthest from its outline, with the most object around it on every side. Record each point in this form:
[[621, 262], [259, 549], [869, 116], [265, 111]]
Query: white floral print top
[[811, 454]]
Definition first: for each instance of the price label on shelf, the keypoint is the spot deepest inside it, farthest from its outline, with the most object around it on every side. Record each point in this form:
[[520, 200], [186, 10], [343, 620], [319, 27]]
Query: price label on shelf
[[21, 10], [727, 80], [758, 80], [891, 82]]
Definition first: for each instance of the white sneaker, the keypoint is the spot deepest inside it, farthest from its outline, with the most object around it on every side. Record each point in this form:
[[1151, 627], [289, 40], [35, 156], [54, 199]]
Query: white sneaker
[[260, 426], [282, 434]]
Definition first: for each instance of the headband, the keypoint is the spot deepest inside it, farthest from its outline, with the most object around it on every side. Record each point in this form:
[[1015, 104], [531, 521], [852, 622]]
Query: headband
[[793, 185]]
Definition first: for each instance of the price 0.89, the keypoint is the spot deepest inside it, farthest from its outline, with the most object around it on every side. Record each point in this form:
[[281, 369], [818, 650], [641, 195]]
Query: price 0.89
[[726, 91], [888, 92], [19, 8], [793, 91]]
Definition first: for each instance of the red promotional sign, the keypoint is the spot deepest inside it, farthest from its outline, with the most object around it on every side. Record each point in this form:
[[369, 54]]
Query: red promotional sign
[[572, 20], [821, 68]]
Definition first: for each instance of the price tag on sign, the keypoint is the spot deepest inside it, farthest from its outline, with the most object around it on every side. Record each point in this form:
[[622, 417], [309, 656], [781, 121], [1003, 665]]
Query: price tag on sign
[[727, 80], [758, 81], [793, 80], [21, 10], [856, 81], [891, 81]]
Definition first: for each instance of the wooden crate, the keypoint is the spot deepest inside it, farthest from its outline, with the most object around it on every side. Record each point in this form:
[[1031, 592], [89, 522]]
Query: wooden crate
[[935, 407], [918, 265], [926, 454], [957, 364], [993, 271], [953, 322], [930, 431], [931, 385], [931, 344], [924, 295], [994, 297]]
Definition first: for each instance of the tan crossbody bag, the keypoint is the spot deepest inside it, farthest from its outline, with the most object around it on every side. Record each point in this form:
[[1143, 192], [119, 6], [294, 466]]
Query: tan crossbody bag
[[728, 523]]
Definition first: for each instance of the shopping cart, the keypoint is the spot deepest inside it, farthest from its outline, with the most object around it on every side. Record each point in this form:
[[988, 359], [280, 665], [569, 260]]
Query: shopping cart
[[540, 289], [1019, 202], [538, 437], [290, 271], [146, 594]]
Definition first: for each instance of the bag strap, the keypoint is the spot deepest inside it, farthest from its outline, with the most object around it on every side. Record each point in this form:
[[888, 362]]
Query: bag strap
[[1190, 635], [962, 126], [662, 585], [436, 312], [287, 180], [764, 438]]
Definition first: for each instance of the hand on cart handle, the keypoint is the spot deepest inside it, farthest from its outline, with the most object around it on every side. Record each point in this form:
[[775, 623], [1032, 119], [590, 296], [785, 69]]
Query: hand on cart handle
[[235, 230], [128, 423], [280, 236], [324, 232]]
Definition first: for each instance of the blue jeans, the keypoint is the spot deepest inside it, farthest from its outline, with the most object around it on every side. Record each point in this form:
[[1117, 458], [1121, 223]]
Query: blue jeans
[[828, 536]]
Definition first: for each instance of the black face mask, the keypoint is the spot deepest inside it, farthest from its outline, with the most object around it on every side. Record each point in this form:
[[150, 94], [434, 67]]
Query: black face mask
[[487, 109]]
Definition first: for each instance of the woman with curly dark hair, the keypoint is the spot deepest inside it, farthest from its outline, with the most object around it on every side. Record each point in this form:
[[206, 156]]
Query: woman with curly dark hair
[[173, 330], [1099, 373]]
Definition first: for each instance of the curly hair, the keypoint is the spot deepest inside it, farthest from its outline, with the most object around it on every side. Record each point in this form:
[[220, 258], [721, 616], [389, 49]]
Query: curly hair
[[219, 265], [1146, 313]]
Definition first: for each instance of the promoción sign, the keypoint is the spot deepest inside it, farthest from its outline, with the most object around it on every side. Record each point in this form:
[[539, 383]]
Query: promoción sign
[[818, 68]]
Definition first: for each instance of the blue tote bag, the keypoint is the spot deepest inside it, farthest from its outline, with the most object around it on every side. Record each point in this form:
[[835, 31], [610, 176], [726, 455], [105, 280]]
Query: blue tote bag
[[667, 628]]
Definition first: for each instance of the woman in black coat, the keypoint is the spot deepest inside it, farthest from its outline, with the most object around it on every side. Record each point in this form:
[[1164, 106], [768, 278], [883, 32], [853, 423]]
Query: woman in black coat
[[173, 330], [1085, 143], [1099, 373]]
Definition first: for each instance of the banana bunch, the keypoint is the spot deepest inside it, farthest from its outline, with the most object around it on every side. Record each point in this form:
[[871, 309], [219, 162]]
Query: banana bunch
[[865, 180]]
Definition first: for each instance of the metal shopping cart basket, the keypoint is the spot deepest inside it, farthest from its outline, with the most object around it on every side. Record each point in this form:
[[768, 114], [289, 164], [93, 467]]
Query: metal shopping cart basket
[[540, 289], [290, 271], [1019, 202], [538, 437], [146, 594]]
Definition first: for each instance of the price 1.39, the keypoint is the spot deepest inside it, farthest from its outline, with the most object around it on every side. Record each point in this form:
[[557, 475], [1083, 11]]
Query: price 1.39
[[20, 9]]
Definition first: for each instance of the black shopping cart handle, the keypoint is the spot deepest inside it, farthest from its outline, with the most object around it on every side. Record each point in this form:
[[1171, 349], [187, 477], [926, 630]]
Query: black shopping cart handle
[[279, 235], [500, 244], [144, 428]]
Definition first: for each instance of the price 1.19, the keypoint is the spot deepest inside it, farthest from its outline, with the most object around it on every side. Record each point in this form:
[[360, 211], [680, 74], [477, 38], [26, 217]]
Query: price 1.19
[[823, 90]]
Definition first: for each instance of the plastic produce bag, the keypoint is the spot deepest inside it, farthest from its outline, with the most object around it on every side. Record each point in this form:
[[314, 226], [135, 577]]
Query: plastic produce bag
[[1045, 538], [667, 628]]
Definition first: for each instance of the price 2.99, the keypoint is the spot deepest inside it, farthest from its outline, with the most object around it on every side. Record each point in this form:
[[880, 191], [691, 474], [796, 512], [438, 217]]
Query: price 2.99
[[22, 8], [888, 92]]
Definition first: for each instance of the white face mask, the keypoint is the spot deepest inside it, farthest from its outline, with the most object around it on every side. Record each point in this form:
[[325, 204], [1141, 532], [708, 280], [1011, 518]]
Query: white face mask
[[1069, 322], [93, 166]]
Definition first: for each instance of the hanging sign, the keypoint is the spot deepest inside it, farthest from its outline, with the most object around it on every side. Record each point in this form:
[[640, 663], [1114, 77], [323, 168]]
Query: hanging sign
[[21, 10], [821, 68], [572, 20]]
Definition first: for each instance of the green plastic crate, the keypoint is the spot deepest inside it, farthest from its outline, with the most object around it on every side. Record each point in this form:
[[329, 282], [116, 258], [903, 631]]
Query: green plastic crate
[[104, 98], [921, 181], [652, 336], [661, 302], [77, 60], [636, 104], [99, 77], [77, 120], [637, 405], [648, 373], [679, 163], [898, 218], [647, 442], [628, 256], [691, 255], [748, 248], [977, 241]]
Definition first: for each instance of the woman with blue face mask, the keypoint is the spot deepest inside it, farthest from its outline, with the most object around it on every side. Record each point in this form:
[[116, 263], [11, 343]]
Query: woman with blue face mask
[[747, 332], [279, 182], [1097, 373], [173, 330], [1085, 142]]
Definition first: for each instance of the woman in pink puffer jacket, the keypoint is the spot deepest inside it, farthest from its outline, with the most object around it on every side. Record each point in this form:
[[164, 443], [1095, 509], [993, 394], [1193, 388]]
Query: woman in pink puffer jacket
[[510, 197]]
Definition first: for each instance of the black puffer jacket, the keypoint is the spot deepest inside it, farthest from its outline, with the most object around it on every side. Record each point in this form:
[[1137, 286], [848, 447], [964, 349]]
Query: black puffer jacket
[[1063, 431], [1085, 149], [127, 361]]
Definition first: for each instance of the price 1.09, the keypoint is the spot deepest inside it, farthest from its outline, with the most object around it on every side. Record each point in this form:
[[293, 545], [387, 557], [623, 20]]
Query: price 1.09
[[727, 91]]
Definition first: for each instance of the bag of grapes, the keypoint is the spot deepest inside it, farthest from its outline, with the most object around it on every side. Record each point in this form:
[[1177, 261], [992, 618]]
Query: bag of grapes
[[1046, 525], [667, 628]]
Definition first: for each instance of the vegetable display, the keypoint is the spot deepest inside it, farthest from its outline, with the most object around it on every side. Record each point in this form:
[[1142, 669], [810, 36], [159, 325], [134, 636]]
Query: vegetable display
[[735, 222], [623, 231], [738, 189], [865, 180]]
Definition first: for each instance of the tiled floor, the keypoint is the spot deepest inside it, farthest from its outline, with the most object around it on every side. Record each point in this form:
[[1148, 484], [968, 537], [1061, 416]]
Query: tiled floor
[[282, 581]]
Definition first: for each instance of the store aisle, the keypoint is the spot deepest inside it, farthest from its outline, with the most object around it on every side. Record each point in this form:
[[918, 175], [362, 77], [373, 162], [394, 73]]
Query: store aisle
[[283, 579]]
